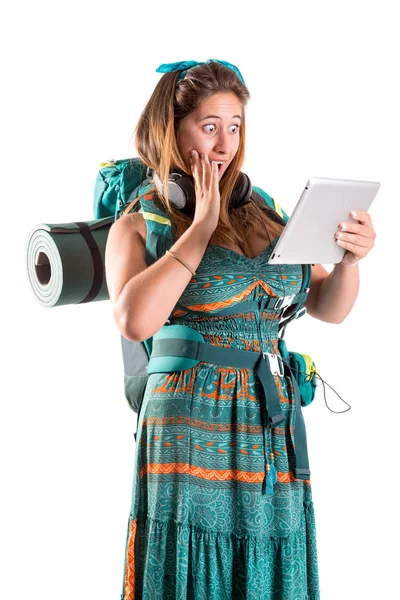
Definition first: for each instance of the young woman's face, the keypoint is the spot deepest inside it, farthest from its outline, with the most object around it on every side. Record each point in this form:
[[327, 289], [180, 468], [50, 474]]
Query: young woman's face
[[212, 129]]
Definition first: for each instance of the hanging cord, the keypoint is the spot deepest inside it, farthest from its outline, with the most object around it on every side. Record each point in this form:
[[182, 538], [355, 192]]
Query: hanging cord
[[269, 337], [309, 376], [271, 476]]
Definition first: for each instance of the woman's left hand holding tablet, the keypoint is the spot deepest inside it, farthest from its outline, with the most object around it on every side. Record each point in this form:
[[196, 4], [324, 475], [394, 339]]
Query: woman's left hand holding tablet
[[356, 238]]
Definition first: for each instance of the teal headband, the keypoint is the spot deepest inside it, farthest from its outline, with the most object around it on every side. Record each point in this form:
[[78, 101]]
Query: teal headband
[[178, 66]]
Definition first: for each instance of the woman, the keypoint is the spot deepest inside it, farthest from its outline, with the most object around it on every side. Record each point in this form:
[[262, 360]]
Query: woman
[[201, 525]]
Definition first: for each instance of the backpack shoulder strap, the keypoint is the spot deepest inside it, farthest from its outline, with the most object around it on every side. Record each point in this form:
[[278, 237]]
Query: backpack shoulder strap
[[136, 354], [159, 236], [272, 203], [306, 268]]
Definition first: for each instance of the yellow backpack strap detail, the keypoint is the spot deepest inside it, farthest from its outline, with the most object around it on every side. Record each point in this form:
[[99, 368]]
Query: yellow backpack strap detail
[[310, 366], [154, 217], [272, 203], [277, 208], [108, 163]]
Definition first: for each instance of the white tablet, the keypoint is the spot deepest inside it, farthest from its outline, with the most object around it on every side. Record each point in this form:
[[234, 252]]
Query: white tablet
[[308, 237]]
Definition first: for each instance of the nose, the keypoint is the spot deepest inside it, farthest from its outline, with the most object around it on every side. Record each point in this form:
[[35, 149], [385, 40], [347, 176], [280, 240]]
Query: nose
[[222, 143]]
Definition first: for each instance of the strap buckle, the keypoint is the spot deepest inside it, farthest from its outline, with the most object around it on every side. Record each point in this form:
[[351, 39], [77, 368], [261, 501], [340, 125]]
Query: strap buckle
[[275, 363], [284, 301], [301, 312]]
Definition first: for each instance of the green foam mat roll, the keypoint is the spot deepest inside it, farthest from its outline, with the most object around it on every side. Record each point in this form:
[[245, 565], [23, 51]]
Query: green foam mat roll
[[65, 262]]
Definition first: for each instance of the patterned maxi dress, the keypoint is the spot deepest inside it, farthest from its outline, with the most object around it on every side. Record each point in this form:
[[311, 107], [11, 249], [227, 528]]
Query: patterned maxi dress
[[199, 527]]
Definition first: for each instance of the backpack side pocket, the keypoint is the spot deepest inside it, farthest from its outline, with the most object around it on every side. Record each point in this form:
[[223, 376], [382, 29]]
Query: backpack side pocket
[[304, 370]]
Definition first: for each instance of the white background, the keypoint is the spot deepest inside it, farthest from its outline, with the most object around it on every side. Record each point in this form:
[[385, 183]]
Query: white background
[[325, 101]]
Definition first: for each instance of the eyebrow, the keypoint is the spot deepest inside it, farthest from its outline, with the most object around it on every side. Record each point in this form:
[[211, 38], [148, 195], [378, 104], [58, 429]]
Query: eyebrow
[[217, 117]]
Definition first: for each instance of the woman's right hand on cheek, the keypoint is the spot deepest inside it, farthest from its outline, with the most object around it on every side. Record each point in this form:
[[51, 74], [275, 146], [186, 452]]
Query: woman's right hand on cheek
[[206, 186]]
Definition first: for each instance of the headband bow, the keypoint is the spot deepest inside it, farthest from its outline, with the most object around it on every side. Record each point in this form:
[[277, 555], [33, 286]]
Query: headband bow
[[178, 66]]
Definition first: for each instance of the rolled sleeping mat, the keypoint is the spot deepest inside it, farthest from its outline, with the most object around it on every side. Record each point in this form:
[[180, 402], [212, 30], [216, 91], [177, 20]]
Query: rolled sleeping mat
[[65, 262]]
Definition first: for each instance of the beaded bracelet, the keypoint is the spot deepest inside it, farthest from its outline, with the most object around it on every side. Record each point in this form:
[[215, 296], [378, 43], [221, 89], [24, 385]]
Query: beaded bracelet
[[181, 261]]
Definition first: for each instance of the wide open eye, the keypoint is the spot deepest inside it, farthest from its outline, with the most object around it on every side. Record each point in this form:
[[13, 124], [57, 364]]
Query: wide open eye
[[209, 125], [235, 125]]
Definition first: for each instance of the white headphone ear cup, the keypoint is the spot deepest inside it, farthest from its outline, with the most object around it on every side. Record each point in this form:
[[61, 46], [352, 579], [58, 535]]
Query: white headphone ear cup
[[177, 195], [180, 190], [158, 183]]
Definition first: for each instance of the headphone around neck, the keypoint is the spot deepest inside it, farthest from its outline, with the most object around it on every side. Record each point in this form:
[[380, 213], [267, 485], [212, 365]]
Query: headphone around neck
[[182, 194]]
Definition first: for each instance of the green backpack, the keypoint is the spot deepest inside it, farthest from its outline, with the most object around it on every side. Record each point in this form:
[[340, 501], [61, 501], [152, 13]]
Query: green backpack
[[119, 182]]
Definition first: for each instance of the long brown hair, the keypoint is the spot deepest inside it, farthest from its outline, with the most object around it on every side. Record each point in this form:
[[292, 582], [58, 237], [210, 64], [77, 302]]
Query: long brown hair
[[155, 140]]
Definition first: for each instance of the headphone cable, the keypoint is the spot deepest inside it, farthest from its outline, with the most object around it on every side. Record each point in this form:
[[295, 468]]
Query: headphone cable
[[270, 336]]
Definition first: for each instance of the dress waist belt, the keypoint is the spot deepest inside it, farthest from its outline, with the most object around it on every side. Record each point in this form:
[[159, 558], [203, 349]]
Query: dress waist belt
[[264, 364]]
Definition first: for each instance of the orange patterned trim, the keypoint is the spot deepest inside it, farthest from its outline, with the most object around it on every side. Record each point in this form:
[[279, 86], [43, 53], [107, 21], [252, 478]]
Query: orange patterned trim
[[226, 303], [207, 426], [129, 584], [214, 474]]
